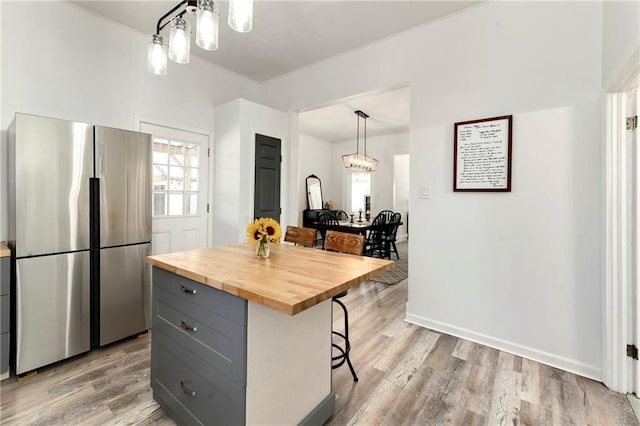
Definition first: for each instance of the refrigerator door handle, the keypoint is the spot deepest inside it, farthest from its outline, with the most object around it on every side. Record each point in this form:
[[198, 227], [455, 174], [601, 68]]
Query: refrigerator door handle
[[102, 159]]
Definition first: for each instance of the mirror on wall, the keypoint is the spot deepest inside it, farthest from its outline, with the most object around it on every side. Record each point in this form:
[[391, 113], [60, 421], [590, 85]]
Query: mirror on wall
[[314, 192]]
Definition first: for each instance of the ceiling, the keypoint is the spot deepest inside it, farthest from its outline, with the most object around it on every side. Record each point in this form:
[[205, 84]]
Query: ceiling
[[293, 33]]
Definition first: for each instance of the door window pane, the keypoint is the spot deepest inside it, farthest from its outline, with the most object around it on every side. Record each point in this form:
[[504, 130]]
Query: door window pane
[[160, 177], [159, 204], [191, 179], [192, 204], [176, 204]]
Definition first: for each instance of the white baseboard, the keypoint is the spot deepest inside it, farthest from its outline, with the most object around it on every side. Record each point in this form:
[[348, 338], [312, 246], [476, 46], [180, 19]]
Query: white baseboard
[[552, 360]]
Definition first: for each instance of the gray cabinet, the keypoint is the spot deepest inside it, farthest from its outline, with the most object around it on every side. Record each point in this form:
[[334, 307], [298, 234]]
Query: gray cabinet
[[4, 317], [199, 351]]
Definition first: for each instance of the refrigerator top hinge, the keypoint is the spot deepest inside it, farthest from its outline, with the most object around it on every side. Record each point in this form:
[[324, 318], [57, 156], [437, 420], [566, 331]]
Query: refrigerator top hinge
[[632, 122], [632, 351]]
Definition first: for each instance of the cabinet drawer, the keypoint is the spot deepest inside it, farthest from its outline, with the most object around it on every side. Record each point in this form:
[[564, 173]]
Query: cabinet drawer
[[4, 314], [215, 339], [202, 392], [224, 304]]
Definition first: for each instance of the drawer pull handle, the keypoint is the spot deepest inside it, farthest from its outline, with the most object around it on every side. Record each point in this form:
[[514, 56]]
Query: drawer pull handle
[[186, 390], [188, 327], [187, 290]]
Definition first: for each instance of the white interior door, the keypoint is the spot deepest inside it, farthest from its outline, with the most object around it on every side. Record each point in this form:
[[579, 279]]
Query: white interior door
[[180, 188]]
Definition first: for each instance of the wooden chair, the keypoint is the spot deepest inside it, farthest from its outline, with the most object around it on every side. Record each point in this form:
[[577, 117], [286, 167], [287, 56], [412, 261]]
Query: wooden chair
[[301, 236], [344, 242], [351, 244]]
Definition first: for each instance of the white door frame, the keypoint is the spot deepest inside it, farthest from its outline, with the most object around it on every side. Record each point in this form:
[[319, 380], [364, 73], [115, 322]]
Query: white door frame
[[633, 102], [139, 120], [621, 239]]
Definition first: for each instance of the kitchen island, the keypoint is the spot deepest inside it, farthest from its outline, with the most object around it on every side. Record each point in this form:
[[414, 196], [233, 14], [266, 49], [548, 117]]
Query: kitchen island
[[242, 340]]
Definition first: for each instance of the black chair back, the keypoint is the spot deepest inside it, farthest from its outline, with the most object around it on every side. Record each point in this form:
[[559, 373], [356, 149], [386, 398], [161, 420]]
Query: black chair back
[[326, 220], [373, 243], [387, 215], [342, 215], [389, 237]]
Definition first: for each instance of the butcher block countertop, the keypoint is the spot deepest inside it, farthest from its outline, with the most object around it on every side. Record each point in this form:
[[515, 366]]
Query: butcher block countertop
[[291, 280], [4, 250]]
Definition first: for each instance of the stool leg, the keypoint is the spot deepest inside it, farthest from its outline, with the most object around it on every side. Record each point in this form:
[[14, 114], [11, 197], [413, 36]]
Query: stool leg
[[347, 348]]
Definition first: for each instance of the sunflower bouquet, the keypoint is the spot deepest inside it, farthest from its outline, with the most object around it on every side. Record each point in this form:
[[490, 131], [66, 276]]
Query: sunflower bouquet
[[261, 232]]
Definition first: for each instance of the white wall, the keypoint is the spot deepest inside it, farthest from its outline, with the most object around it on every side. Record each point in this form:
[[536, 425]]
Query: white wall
[[61, 61], [315, 157], [621, 45], [236, 123], [520, 271]]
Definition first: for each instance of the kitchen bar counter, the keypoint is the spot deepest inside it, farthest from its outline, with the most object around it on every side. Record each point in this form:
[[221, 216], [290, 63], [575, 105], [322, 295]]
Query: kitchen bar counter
[[291, 280], [242, 340]]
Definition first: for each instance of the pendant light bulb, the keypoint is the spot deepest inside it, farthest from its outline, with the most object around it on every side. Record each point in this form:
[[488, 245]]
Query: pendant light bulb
[[157, 55], [241, 15], [207, 25], [179, 41]]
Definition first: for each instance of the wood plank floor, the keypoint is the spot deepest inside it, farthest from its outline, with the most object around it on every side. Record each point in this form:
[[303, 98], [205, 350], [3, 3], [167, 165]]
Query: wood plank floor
[[408, 375]]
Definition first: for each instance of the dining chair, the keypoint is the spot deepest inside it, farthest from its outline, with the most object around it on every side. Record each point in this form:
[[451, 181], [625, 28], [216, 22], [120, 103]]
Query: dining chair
[[389, 236], [301, 236], [326, 220], [351, 244], [387, 215], [341, 215], [373, 245], [344, 242]]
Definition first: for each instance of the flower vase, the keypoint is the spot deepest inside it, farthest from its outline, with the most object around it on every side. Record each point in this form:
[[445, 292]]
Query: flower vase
[[262, 249]]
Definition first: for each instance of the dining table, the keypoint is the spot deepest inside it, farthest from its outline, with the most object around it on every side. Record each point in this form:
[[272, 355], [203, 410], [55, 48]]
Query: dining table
[[354, 227], [241, 340]]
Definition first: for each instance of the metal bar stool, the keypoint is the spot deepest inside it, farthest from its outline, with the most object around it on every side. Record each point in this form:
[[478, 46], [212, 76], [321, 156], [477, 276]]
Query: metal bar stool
[[351, 244]]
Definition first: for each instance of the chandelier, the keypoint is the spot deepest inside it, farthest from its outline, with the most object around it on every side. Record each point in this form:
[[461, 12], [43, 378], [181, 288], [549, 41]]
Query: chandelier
[[207, 16], [358, 160]]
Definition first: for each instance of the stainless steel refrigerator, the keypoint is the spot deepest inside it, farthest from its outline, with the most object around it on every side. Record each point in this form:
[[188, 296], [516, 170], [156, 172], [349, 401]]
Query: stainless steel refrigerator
[[79, 229]]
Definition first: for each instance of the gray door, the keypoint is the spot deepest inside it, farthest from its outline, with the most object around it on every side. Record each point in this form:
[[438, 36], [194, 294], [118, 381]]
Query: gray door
[[123, 164], [267, 183], [125, 292], [53, 164], [52, 309]]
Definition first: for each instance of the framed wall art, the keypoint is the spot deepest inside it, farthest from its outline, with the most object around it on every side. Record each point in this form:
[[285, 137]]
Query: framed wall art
[[482, 155]]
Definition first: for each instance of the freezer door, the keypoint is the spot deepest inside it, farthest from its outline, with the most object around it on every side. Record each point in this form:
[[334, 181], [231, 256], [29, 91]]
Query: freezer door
[[123, 164], [53, 164], [52, 309], [125, 292]]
